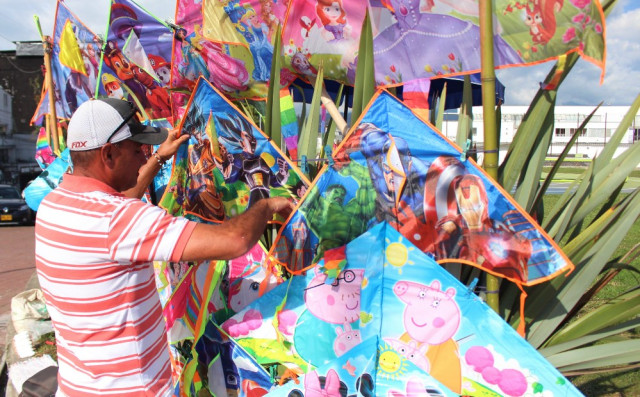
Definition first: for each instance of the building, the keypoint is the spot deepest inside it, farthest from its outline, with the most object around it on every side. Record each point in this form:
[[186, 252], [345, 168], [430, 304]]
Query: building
[[21, 77], [567, 120], [6, 116], [21, 82]]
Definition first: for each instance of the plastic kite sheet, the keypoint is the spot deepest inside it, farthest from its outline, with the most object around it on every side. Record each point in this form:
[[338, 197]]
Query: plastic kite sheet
[[189, 291], [48, 180], [364, 372], [136, 62], [380, 317], [196, 294], [226, 43], [393, 167], [229, 370], [208, 294], [229, 163], [44, 155], [416, 39], [74, 64]]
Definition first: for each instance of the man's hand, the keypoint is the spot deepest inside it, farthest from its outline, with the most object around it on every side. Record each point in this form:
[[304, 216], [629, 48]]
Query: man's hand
[[237, 235], [170, 146], [281, 206]]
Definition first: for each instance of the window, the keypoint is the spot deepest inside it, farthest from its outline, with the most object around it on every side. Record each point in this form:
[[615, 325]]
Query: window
[[573, 131], [636, 134], [561, 132]]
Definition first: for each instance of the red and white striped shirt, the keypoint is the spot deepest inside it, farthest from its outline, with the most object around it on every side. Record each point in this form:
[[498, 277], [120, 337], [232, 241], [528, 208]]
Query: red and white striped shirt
[[94, 249]]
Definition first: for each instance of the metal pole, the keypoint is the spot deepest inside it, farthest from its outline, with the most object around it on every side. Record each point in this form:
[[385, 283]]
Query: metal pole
[[488, 76]]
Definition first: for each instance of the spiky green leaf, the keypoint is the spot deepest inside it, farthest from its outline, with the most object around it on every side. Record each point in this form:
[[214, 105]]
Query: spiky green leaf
[[272, 125], [365, 82]]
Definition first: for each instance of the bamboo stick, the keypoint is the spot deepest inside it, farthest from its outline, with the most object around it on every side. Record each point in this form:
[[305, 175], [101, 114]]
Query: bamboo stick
[[53, 119], [488, 77]]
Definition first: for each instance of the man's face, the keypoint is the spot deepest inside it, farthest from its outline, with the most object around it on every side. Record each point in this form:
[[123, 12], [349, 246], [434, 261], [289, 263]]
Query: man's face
[[128, 157]]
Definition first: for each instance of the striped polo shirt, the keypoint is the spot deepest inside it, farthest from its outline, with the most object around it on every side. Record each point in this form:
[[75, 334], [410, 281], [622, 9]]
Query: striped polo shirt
[[94, 249]]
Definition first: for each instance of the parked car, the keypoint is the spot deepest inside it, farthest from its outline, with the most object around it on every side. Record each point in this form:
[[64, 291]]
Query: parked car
[[13, 208]]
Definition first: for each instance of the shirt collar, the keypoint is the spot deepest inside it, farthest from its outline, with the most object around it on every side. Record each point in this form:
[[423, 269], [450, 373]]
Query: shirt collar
[[84, 184]]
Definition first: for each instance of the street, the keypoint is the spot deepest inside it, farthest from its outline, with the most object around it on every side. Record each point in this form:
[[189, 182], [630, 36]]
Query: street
[[17, 266]]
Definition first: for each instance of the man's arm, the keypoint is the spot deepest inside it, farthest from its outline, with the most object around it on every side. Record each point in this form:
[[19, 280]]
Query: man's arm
[[148, 171], [235, 236]]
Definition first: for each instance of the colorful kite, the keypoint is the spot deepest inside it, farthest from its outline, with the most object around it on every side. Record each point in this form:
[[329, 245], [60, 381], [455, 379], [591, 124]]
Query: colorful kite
[[232, 53], [44, 155], [229, 164], [379, 316], [393, 167], [416, 39], [136, 60], [48, 180], [371, 368], [74, 64]]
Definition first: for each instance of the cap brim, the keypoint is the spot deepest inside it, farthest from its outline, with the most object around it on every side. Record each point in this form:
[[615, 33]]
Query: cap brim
[[148, 135]]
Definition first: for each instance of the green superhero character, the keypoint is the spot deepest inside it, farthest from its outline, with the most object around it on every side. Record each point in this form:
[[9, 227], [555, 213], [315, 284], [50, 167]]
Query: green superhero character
[[335, 222]]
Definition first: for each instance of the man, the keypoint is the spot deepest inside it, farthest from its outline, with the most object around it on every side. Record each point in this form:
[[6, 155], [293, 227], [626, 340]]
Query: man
[[94, 248]]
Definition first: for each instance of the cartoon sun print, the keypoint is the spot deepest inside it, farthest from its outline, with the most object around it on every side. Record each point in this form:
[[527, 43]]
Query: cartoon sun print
[[391, 365], [397, 254]]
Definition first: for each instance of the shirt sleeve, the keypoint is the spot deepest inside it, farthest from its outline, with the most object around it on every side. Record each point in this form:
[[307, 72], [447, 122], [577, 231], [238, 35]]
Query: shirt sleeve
[[142, 232]]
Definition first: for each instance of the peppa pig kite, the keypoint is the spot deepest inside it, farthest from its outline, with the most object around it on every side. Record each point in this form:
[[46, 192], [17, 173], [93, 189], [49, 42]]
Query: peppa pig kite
[[418, 331]]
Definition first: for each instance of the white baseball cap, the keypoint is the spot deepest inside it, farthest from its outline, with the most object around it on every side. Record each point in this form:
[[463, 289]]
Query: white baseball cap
[[99, 121]]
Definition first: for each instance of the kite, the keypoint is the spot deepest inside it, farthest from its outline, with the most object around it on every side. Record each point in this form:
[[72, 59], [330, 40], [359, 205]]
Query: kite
[[74, 65], [229, 163], [48, 180], [393, 167], [44, 155], [416, 39], [136, 60], [379, 316], [371, 368], [233, 53]]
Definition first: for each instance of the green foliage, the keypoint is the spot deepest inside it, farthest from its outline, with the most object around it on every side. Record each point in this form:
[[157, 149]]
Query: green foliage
[[465, 118], [273, 127], [365, 84], [589, 222]]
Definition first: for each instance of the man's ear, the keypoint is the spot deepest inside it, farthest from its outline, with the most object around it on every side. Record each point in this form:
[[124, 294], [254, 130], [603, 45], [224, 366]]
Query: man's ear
[[107, 155]]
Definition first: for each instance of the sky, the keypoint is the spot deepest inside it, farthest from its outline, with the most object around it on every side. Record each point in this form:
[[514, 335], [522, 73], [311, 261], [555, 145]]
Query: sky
[[620, 87]]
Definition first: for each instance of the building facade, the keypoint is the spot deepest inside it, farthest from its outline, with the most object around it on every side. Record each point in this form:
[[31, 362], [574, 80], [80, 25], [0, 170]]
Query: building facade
[[567, 120], [21, 77]]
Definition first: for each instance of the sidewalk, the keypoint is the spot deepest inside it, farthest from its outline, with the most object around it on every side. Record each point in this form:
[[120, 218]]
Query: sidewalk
[[17, 274], [17, 266], [9, 355]]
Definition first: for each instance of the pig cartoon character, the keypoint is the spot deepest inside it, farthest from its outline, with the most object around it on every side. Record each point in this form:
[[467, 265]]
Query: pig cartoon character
[[346, 339], [338, 302], [412, 352], [432, 317]]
